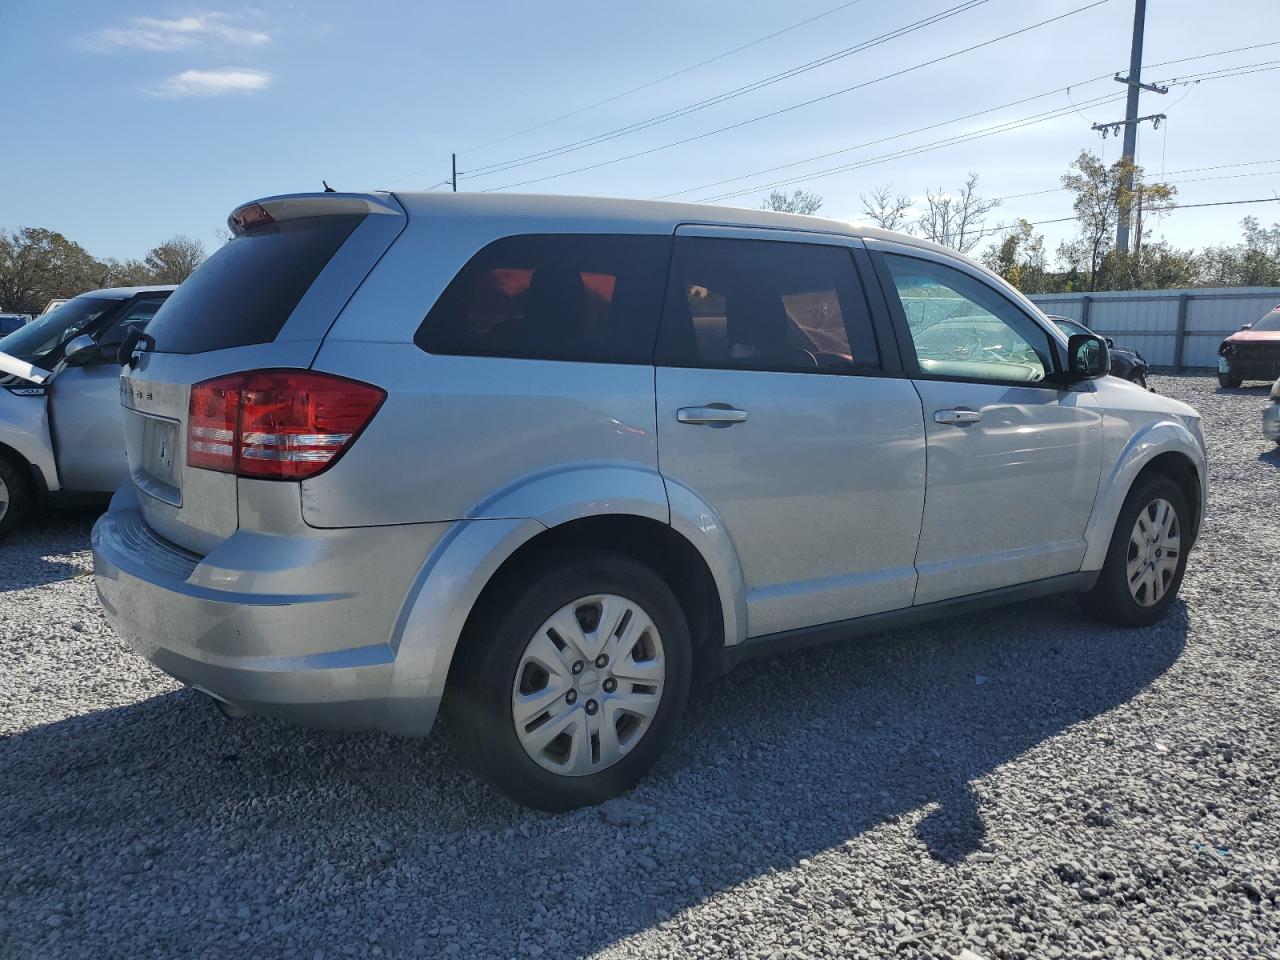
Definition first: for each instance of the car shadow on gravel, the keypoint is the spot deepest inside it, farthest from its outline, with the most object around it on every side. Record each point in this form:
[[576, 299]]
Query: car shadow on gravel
[[36, 552], [162, 822]]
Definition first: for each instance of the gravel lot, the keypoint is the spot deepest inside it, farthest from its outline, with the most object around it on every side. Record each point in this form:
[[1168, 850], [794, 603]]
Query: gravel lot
[[1023, 783]]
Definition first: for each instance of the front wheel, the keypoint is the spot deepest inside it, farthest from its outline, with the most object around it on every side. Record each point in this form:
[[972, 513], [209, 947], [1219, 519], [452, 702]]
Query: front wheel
[[1147, 556], [573, 682], [1229, 382], [15, 495]]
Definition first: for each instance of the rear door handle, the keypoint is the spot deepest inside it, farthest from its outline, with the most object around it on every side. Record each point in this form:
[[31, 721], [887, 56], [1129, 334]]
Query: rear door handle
[[957, 416], [714, 414]]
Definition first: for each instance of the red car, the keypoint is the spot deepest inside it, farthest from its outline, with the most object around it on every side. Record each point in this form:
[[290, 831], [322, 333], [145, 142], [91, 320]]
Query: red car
[[1251, 354]]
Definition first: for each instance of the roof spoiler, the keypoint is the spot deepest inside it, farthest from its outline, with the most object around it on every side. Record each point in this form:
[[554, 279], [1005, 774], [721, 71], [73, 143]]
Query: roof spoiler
[[299, 205]]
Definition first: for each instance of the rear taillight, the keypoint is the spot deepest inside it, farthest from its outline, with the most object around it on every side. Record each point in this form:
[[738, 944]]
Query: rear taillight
[[276, 424]]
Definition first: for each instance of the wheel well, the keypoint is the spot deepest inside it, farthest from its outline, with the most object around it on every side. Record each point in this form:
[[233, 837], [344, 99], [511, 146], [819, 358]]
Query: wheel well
[[650, 542], [1181, 471], [39, 488]]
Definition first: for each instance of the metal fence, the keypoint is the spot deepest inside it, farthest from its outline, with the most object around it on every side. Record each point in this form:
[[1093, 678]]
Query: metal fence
[[1170, 328]]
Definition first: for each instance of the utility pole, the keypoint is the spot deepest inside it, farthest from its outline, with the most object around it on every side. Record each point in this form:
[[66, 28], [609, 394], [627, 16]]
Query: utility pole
[[1131, 118], [454, 179]]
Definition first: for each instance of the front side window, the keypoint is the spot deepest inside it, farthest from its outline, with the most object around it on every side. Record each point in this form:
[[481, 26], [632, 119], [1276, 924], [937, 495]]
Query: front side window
[[962, 328], [554, 297], [766, 305], [1069, 328]]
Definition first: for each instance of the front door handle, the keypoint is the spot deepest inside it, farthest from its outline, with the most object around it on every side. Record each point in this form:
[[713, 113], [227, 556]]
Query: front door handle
[[713, 414], [957, 416]]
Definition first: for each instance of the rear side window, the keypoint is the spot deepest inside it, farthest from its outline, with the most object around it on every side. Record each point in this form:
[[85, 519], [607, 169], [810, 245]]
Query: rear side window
[[138, 314], [245, 292], [766, 305], [554, 297]]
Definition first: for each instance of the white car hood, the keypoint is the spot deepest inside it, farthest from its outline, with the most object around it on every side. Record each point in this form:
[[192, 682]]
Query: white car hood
[[20, 368]]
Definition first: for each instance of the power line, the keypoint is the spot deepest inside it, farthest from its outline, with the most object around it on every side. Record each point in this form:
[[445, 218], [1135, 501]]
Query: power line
[[980, 134], [932, 126], [1163, 63], [732, 94], [664, 78], [803, 103], [1229, 176], [1176, 206], [999, 128]]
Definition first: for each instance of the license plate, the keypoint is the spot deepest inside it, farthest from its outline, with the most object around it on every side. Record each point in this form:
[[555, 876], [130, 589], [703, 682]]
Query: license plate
[[1222, 365], [160, 450]]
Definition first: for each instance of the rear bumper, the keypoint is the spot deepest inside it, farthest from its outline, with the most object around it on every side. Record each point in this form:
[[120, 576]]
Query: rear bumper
[[1271, 421], [272, 629]]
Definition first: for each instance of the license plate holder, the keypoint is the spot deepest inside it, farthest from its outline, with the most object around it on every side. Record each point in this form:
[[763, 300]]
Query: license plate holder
[[160, 450]]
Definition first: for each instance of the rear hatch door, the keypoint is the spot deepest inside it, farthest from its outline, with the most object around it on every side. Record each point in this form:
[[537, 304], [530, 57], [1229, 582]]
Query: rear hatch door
[[264, 300]]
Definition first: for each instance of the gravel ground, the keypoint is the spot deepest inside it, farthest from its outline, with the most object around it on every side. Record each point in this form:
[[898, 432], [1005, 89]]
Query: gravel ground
[[1023, 783]]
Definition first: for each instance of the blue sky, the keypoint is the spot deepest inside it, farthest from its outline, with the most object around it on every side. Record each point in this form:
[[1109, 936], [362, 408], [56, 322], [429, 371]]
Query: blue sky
[[128, 122]]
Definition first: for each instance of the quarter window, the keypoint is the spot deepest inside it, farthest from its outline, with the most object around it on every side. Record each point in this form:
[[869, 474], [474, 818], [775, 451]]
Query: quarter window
[[766, 305], [557, 297], [962, 328]]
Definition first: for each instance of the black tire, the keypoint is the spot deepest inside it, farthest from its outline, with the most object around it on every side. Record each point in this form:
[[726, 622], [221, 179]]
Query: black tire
[[1110, 599], [1139, 378], [15, 500], [478, 704], [1229, 382]]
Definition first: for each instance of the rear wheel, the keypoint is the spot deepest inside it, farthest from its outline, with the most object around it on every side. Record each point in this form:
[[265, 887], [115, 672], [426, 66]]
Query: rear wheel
[[573, 682], [1228, 381], [15, 495], [1147, 556]]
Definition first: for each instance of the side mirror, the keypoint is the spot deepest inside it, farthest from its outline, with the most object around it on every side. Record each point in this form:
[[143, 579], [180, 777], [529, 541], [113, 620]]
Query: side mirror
[[1110, 343], [1246, 326], [81, 350], [1087, 357]]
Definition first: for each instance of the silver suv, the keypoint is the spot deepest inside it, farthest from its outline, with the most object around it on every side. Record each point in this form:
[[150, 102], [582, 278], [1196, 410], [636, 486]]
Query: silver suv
[[545, 461]]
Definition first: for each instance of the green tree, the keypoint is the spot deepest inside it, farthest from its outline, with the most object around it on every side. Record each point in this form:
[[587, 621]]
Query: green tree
[[1102, 197], [125, 273], [1020, 258], [175, 259], [1254, 262], [37, 265], [801, 201]]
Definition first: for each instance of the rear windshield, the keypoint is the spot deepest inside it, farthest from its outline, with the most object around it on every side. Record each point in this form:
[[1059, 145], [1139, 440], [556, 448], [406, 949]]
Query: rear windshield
[[245, 292]]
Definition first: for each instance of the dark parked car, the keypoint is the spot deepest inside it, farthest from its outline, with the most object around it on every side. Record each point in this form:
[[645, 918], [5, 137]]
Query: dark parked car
[[1126, 363], [1251, 354], [10, 322]]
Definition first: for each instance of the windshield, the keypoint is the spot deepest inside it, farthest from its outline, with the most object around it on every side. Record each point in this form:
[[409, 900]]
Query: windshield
[[41, 341], [1270, 321]]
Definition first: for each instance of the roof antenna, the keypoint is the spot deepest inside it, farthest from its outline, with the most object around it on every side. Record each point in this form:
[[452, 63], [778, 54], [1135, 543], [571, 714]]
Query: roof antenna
[[327, 188]]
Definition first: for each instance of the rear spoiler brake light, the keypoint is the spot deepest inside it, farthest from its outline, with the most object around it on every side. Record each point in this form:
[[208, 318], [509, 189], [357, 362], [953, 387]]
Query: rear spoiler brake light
[[279, 209]]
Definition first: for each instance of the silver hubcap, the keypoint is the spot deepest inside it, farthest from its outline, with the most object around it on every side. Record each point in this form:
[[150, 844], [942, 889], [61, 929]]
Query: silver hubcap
[[588, 685], [1154, 549]]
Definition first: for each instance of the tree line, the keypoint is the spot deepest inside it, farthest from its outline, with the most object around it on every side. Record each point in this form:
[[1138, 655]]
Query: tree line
[[1101, 195], [39, 265]]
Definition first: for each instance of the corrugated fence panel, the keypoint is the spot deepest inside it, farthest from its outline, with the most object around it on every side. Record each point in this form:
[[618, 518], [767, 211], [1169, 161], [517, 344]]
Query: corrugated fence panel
[[1147, 320]]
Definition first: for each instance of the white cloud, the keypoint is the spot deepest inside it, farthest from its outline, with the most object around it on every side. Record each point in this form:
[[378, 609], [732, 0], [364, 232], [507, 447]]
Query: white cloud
[[159, 35], [212, 83]]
